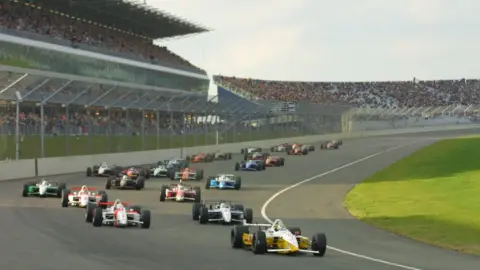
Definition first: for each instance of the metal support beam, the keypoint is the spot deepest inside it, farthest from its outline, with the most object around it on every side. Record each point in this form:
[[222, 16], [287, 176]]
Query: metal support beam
[[137, 100], [193, 103], [56, 92], [118, 99], [79, 95], [165, 103], [35, 88], [102, 96], [13, 83], [153, 100]]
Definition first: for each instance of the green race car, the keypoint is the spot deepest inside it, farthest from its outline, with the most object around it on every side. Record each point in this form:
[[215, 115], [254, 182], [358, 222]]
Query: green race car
[[43, 188]]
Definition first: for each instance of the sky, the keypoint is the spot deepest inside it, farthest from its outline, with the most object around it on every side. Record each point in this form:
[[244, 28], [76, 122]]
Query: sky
[[341, 40]]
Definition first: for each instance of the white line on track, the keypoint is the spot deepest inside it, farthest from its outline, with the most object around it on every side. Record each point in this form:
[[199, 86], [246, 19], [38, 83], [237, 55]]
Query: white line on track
[[265, 205]]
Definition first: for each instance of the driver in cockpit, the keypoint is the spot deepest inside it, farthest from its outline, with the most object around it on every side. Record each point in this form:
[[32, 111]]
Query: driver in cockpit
[[117, 204], [43, 182], [223, 205], [84, 189], [124, 177], [278, 225]]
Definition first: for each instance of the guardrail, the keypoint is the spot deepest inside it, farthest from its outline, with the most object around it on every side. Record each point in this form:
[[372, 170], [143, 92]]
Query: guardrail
[[63, 165]]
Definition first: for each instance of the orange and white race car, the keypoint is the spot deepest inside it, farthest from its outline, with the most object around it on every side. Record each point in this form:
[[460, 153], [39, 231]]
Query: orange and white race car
[[297, 151], [274, 161], [187, 174], [201, 157]]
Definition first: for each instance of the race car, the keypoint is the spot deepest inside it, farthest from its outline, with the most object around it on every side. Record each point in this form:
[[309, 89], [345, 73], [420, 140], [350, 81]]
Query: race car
[[125, 182], [187, 174], [174, 165], [201, 157], [224, 181], [250, 165], [159, 170], [43, 188], [256, 156], [82, 196], [276, 238], [250, 150], [309, 147], [331, 144], [274, 161], [280, 148], [102, 169], [222, 212], [180, 193], [222, 156], [117, 214], [133, 172], [297, 151]]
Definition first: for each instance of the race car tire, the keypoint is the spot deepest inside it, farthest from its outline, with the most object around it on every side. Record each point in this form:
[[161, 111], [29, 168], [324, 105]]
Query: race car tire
[[238, 207], [172, 175], [140, 183], [238, 182], [319, 243], [196, 211], [61, 187], [242, 151], [108, 182], [89, 172], [335, 147], [237, 166], [97, 219], [272, 149], [104, 196], [295, 230], [248, 215], [236, 236], [25, 190], [201, 172], [198, 194], [312, 149], [282, 162], [229, 156], [203, 218], [264, 166], [305, 151], [259, 242], [207, 183], [188, 158], [163, 193], [245, 157], [89, 210], [65, 193], [145, 217]]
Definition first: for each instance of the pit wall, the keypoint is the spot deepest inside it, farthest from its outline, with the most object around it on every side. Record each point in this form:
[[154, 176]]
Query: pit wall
[[74, 164]]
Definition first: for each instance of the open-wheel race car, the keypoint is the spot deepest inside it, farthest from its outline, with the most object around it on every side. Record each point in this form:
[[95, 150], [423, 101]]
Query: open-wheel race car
[[133, 172], [168, 167], [274, 161], [82, 196], [125, 182], [222, 155], [187, 174], [224, 181], [201, 157], [117, 214], [334, 144], [280, 147], [43, 188], [298, 150], [180, 193], [250, 150], [221, 212], [276, 238], [256, 156], [250, 165], [102, 169]]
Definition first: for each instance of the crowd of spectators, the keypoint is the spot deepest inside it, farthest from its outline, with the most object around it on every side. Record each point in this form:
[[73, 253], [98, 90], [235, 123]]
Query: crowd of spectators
[[16, 16], [412, 93]]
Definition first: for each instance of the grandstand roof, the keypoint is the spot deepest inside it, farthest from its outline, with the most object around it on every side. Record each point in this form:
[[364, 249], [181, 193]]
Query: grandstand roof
[[125, 15]]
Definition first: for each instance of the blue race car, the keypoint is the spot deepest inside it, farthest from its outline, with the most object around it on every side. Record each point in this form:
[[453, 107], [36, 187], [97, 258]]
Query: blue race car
[[224, 181], [250, 165]]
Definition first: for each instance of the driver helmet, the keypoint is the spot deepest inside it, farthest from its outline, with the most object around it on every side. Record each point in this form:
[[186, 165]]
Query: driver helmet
[[223, 205], [222, 177], [44, 182], [84, 188], [117, 203], [278, 225]]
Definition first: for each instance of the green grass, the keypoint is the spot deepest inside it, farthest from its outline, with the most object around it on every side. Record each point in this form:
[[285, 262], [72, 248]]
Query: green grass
[[87, 145], [432, 196]]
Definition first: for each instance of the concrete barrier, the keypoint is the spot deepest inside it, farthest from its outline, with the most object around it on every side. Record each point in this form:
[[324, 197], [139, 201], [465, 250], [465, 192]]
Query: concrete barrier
[[74, 164]]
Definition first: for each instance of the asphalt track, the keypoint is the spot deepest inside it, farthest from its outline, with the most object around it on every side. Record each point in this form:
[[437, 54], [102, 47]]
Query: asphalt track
[[38, 233]]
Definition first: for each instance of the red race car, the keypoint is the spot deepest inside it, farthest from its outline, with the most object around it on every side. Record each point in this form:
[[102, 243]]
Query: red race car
[[297, 151], [180, 193], [256, 156], [274, 161]]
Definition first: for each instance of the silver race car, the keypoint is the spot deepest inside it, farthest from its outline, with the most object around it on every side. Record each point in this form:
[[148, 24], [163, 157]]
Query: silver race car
[[102, 169], [222, 212], [160, 170], [250, 150]]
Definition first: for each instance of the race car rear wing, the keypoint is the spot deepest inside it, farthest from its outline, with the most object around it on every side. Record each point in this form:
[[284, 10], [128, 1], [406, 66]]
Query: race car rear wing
[[112, 203], [80, 188], [256, 224]]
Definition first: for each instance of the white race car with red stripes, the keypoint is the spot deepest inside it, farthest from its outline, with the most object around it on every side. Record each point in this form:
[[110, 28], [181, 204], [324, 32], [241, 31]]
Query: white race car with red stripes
[[117, 214]]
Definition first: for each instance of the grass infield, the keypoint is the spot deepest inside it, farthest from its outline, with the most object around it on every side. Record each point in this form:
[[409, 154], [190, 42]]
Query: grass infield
[[431, 196], [56, 146]]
